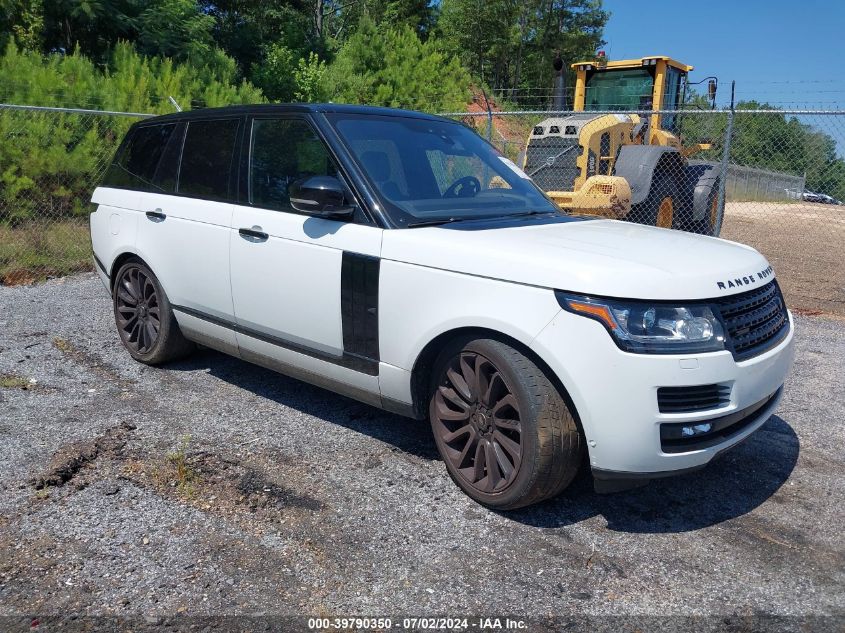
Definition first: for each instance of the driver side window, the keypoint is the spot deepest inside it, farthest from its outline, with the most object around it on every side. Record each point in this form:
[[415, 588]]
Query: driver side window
[[283, 151]]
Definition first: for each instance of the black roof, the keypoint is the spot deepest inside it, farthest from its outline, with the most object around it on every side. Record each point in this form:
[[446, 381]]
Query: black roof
[[269, 108]]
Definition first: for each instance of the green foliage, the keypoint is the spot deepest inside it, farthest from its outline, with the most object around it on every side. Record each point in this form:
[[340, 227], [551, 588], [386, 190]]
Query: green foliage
[[175, 29], [511, 45], [49, 160], [308, 77], [275, 74], [393, 67], [22, 20]]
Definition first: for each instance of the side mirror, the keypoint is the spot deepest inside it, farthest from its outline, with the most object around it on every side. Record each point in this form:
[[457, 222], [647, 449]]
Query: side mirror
[[322, 196], [711, 90]]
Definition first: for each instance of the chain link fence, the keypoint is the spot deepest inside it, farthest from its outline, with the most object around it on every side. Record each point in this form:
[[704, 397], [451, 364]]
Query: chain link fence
[[50, 161], [772, 179]]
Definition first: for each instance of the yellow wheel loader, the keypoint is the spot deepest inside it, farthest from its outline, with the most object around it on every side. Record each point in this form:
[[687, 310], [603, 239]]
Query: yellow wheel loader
[[626, 166]]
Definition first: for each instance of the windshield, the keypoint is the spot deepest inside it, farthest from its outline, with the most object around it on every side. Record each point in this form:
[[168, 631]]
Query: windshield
[[619, 90], [427, 170]]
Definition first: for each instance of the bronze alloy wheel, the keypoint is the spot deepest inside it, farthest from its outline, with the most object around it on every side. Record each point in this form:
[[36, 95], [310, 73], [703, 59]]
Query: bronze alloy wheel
[[137, 310], [476, 417], [506, 434]]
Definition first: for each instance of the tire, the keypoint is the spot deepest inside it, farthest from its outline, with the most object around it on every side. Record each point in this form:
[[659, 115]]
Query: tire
[[699, 173], [662, 195], [709, 224], [144, 318], [513, 415]]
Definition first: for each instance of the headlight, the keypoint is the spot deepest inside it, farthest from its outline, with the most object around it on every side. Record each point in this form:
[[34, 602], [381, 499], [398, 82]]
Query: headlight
[[652, 327]]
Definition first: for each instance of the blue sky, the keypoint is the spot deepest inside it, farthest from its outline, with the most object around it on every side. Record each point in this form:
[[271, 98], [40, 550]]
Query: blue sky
[[791, 54]]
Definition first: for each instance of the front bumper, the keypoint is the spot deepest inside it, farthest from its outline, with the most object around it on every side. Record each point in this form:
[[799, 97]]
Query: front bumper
[[615, 395]]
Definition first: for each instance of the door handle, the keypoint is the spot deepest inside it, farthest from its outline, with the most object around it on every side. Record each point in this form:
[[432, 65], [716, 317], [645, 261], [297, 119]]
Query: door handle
[[156, 216], [255, 234]]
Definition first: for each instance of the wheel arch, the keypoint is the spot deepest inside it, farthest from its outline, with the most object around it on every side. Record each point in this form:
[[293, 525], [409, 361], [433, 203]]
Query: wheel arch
[[638, 164], [119, 261], [424, 364]]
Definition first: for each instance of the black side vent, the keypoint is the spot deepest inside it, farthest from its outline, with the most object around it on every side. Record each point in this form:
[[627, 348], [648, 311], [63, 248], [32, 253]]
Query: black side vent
[[691, 399], [359, 304]]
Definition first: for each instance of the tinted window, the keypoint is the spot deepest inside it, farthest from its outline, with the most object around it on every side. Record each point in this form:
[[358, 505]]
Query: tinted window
[[207, 159], [619, 90], [283, 151], [137, 165]]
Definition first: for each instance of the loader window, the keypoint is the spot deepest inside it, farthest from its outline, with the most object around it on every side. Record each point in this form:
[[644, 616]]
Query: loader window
[[619, 90], [670, 100]]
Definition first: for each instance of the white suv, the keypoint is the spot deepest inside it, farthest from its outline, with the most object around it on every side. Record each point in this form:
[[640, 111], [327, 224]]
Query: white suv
[[398, 258]]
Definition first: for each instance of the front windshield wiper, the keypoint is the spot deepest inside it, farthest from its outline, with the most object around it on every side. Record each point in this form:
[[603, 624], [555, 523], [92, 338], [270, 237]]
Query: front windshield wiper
[[435, 222], [439, 221]]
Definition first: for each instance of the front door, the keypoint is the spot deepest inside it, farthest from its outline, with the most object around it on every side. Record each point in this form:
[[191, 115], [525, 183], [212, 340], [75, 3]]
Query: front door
[[305, 288]]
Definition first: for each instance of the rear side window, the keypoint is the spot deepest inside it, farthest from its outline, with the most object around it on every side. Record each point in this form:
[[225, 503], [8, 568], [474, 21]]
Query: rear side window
[[137, 165], [207, 159]]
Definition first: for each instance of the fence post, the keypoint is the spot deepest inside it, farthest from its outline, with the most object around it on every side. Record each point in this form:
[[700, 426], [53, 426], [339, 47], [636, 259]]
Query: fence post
[[489, 117], [726, 155]]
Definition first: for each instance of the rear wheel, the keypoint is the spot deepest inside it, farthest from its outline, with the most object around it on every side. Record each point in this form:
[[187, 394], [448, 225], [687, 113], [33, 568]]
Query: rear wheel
[[506, 435], [144, 318], [658, 209], [711, 224]]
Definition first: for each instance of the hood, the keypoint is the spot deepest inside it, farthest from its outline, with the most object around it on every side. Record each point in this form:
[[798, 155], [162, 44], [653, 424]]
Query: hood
[[598, 257]]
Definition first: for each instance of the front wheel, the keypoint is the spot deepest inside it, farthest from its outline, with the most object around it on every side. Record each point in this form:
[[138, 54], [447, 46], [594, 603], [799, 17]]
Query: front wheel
[[144, 318], [505, 433], [658, 209]]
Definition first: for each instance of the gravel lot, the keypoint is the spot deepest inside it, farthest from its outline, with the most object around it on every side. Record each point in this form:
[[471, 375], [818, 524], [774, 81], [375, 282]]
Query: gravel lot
[[216, 487], [803, 241]]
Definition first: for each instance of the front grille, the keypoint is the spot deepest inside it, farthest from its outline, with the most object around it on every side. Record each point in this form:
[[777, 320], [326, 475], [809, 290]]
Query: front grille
[[755, 320], [551, 162], [691, 399]]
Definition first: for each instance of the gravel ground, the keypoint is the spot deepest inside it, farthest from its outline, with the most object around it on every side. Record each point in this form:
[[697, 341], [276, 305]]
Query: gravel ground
[[215, 487], [803, 241]]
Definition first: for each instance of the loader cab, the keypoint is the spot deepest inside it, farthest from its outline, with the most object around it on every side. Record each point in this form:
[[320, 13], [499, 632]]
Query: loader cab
[[648, 83]]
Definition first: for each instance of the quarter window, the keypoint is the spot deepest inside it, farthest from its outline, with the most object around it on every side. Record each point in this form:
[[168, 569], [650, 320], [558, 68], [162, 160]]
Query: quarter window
[[137, 166], [207, 158], [283, 151]]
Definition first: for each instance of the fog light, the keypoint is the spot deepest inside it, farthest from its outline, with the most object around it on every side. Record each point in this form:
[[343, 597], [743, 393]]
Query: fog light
[[696, 429]]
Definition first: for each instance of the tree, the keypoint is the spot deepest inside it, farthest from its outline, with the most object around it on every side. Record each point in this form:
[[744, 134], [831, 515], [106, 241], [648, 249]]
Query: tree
[[393, 67], [248, 30], [343, 16], [22, 20], [175, 28], [510, 44]]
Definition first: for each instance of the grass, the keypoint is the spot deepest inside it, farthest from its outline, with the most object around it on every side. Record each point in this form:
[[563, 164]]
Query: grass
[[36, 251], [176, 470], [13, 381]]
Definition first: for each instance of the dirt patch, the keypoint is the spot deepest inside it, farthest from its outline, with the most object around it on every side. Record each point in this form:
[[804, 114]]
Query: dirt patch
[[70, 459], [92, 362], [803, 241], [225, 485]]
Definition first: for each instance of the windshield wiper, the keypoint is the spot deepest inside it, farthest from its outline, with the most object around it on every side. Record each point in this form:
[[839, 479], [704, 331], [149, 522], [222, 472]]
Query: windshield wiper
[[435, 222], [504, 216]]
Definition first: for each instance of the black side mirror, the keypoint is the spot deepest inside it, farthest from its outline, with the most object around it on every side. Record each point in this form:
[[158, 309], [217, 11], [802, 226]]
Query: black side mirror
[[323, 196]]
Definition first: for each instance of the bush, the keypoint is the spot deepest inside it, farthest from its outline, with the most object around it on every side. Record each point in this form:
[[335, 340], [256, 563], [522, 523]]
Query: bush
[[50, 162]]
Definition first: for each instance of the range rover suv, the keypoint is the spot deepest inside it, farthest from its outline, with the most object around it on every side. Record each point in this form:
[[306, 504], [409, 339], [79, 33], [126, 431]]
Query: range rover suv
[[399, 259]]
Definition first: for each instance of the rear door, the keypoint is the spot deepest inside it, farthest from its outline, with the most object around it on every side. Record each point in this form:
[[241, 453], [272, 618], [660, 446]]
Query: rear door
[[305, 288], [184, 229]]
